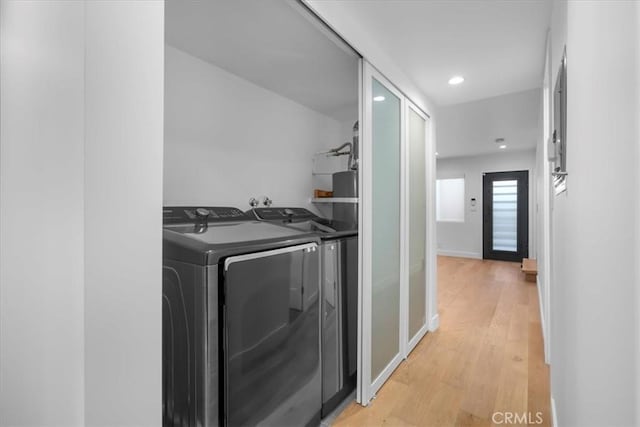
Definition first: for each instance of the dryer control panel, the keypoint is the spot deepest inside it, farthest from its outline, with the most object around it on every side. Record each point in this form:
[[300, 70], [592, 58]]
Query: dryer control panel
[[200, 214]]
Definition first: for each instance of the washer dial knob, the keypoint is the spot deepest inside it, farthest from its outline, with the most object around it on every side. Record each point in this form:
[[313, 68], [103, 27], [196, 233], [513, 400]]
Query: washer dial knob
[[202, 213]]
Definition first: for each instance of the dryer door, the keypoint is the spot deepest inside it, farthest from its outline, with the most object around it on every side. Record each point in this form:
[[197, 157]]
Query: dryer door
[[271, 321]]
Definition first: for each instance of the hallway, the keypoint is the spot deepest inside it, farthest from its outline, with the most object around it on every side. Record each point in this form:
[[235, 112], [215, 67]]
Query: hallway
[[487, 356]]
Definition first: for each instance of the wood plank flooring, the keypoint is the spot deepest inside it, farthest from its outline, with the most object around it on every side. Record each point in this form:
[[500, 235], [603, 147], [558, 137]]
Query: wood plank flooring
[[487, 356]]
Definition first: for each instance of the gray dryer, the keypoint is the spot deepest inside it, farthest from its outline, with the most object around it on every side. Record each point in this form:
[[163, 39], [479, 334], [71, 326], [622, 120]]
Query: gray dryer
[[241, 320], [339, 290]]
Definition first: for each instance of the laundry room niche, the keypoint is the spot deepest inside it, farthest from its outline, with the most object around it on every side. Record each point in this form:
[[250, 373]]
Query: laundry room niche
[[253, 91]]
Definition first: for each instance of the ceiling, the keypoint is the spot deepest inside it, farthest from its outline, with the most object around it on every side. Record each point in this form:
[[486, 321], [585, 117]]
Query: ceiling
[[472, 128], [275, 44], [497, 45]]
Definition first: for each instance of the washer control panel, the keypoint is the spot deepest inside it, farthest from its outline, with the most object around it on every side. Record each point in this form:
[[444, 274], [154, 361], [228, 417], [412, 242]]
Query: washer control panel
[[196, 214], [273, 214]]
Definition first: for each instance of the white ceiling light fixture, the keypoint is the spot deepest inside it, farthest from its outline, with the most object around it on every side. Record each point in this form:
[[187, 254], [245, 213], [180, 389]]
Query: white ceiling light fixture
[[379, 98], [456, 80], [503, 146], [436, 153]]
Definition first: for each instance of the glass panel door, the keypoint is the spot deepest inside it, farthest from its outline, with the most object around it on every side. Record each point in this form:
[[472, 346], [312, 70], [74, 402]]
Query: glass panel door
[[417, 233], [394, 299], [385, 340], [381, 189], [505, 216]]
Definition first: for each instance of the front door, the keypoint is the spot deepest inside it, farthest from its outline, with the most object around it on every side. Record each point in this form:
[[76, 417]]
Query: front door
[[506, 215]]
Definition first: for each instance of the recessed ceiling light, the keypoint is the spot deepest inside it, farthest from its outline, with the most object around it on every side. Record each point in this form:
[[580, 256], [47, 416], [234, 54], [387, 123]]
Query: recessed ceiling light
[[456, 80], [378, 98], [436, 153], [503, 146]]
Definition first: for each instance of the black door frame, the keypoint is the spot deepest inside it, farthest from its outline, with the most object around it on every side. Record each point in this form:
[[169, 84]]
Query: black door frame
[[523, 215]]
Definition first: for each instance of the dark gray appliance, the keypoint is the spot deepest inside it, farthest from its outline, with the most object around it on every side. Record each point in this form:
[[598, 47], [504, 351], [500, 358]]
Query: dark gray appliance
[[345, 184], [339, 279], [241, 321]]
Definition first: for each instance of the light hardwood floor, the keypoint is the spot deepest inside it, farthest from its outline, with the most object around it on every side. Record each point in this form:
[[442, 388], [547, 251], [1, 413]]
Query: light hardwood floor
[[486, 357]]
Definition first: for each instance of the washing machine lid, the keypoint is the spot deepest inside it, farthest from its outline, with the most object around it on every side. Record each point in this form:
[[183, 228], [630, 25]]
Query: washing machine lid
[[208, 244], [326, 231], [281, 214], [233, 232], [310, 226], [303, 220]]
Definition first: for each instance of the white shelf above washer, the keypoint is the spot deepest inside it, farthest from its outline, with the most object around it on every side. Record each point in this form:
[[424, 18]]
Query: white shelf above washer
[[335, 200]]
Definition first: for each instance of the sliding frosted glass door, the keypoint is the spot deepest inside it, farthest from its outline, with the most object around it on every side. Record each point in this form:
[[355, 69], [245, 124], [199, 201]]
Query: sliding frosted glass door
[[396, 304], [385, 340], [381, 204], [417, 226]]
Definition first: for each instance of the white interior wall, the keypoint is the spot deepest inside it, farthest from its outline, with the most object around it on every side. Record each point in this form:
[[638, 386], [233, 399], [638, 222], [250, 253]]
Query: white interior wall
[[124, 73], [543, 168], [594, 330], [540, 160], [41, 213], [637, 198], [557, 41], [542, 208], [80, 213], [227, 140], [465, 238]]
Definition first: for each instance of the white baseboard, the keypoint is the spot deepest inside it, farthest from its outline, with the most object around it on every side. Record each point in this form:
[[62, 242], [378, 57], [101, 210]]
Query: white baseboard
[[542, 324], [554, 418], [459, 254], [435, 323]]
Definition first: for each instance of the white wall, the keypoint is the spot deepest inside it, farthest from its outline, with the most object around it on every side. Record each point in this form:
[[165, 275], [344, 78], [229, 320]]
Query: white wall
[[227, 140], [543, 208], [41, 213], [465, 239], [123, 205], [594, 329], [638, 233], [80, 213]]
